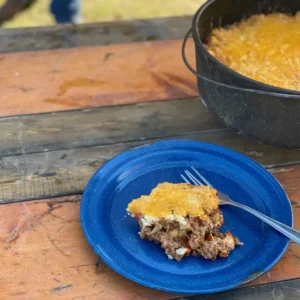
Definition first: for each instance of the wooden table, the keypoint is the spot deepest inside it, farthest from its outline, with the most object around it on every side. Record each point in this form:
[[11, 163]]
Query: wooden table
[[73, 97]]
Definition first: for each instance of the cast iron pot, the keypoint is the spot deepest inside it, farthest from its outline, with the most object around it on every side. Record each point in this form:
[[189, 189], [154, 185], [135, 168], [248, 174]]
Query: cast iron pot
[[257, 110]]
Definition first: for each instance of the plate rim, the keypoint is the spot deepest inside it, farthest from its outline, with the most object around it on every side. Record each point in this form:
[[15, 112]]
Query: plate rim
[[136, 279]]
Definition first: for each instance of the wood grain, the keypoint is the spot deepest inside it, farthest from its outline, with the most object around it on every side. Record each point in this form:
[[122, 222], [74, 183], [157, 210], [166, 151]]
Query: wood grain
[[96, 76], [44, 253], [103, 126], [85, 35], [55, 154], [65, 172], [127, 123]]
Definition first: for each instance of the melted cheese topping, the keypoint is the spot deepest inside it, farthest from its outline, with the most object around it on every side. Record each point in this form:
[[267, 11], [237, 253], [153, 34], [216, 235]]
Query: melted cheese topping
[[265, 48], [180, 199]]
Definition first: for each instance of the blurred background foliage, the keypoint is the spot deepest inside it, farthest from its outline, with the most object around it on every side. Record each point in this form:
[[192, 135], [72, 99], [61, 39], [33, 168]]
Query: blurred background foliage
[[107, 10]]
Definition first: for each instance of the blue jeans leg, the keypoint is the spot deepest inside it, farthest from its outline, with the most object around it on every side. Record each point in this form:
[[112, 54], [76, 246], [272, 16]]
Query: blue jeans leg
[[66, 11]]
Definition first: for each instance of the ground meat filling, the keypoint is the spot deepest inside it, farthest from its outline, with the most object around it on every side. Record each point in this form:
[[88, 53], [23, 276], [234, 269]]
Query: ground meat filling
[[193, 237]]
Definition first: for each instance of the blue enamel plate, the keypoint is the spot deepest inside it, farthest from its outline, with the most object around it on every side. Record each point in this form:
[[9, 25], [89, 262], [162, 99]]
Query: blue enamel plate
[[114, 235]]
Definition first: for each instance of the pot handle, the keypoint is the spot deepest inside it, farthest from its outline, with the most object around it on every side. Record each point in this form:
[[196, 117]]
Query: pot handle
[[184, 56]]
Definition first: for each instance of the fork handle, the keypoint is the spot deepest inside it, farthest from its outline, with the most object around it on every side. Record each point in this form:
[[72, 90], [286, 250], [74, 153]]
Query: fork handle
[[288, 231]]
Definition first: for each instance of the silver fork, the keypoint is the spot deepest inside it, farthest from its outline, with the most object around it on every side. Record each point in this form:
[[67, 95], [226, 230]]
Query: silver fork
[[288, 231]]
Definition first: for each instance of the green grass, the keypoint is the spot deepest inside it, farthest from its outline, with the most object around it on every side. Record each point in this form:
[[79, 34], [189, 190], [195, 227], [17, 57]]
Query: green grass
[[101, 10]]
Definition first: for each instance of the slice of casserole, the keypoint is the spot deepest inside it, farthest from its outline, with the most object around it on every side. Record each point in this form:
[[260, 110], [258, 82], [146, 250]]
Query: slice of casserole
[[185, 219]]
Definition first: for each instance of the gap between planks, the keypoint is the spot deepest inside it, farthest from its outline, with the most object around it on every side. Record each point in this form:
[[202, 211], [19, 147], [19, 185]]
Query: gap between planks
[[56, 173], [55, 154]]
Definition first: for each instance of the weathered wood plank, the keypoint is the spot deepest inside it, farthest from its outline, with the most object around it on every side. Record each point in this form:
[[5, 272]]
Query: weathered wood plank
[[43, 252], [101, 126], [280, 290], [65, 172], [85, 35], [90, 77], [116, 124]]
